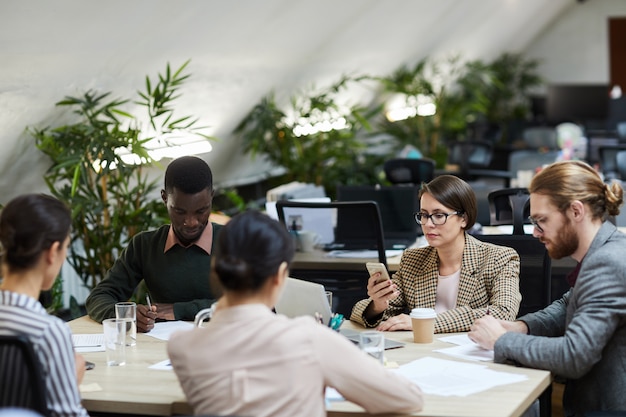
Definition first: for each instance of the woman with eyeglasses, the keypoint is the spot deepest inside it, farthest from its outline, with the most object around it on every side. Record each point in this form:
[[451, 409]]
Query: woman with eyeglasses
[[459, 276]]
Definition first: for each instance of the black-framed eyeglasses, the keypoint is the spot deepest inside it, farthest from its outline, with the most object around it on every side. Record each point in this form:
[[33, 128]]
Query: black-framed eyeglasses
[[535, 223], [437, 218]]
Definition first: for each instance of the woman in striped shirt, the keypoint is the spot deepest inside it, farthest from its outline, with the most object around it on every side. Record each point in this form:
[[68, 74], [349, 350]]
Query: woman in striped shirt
[[34, 233]]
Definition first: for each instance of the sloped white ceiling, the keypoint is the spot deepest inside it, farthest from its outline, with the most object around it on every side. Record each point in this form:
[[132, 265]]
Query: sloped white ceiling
[[239, 50]]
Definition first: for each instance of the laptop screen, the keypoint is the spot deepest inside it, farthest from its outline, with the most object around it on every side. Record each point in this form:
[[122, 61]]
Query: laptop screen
[[396, 204]]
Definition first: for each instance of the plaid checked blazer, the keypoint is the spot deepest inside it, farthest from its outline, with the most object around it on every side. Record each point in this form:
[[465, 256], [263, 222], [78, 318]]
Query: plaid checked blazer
[[489, 277]]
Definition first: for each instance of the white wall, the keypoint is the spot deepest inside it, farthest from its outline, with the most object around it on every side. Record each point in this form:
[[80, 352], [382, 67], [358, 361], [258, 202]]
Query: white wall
[[574, 48]]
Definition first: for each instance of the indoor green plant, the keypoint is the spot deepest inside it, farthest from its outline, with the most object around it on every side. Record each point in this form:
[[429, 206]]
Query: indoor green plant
[[464, 94], [111, 198], [289, 137]]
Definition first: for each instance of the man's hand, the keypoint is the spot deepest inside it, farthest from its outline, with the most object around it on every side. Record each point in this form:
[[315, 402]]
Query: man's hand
[[487, 330], [145, 318], [165, 311]]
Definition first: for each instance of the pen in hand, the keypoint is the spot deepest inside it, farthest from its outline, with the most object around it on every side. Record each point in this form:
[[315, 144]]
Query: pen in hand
[[149, 303]]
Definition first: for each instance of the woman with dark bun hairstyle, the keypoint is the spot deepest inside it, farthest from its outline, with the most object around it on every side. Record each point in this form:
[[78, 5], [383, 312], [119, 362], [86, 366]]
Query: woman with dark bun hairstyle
[[34, 234], [249, 361]]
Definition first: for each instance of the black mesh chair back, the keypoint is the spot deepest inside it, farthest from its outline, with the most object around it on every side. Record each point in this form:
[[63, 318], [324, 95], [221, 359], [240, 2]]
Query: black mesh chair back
[[21, 377], [469, 154], [535, 269], [409, 171], [620, 162], [509, 206]]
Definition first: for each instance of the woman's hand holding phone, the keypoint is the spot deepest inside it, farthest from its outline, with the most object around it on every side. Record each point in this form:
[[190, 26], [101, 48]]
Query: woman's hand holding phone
[[380, 288]]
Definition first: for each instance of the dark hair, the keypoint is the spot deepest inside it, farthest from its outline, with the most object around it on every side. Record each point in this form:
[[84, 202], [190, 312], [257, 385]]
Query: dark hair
[[567, 181], [30, 224], [455, 193], [250, 249], [189, 174]]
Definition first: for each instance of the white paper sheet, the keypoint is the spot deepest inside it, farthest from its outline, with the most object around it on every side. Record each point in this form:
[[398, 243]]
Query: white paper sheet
[[446, 378], [163, 330], [457, 339], [465, 349], [165, 365], [92, 342], [471, 352]]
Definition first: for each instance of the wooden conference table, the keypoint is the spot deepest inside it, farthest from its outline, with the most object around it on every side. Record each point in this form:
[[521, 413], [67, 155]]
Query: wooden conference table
[[135, 389]]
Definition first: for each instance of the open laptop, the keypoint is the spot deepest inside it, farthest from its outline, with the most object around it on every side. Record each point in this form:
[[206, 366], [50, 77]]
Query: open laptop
[[397, 206], [304, 298]]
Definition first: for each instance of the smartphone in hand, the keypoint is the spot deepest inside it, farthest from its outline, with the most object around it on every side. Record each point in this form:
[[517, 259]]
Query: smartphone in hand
[[374, 267]]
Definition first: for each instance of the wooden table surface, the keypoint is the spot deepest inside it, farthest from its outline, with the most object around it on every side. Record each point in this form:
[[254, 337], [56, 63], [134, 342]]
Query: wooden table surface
[[136, 389]]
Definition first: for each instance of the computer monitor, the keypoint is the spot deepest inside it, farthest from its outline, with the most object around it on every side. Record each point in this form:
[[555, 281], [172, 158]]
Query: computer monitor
[[396, 204], [581, 103]]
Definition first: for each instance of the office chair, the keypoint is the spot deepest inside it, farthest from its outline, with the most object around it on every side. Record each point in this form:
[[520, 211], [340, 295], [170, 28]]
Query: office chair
[[470, 154], [360, 217], [540, 137], [535, 269], [621, 131], [620, 163], [509, 206], [608, 161], [21, 376], [534, 284], [409, 171]]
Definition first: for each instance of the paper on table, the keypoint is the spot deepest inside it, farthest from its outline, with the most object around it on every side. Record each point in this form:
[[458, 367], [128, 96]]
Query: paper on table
[[466, 348], [457, 339], [362, 253], [446, 378], [163, 330], [472, 352], [165, 365], [333, 395], [93, 342]]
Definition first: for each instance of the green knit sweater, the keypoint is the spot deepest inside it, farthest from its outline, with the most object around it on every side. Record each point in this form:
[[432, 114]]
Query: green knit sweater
[[180, 276]]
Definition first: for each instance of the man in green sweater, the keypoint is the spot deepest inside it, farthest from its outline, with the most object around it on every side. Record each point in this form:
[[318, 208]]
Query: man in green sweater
[[173, 260]]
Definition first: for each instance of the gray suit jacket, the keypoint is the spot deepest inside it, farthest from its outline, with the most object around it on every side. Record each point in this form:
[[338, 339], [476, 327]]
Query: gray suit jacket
[[582, 336]]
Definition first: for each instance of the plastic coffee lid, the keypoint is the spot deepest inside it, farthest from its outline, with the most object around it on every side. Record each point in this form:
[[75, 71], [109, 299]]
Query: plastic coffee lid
[[423, 313]]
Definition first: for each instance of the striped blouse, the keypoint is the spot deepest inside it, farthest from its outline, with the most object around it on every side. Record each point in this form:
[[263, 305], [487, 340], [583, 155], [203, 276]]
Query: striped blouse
[[51, 338]]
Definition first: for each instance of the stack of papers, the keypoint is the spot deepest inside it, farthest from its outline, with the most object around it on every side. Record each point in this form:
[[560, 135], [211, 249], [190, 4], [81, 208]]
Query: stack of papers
[[447, 378], [465, 349]]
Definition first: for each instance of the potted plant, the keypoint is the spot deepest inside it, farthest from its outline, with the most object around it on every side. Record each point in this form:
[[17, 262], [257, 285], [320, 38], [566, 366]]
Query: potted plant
[[314, 139], [434, 105], [98, 168]]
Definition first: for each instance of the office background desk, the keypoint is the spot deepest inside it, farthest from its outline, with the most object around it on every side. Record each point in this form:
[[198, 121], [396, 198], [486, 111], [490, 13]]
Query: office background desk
[[135, 389], [318, 267]]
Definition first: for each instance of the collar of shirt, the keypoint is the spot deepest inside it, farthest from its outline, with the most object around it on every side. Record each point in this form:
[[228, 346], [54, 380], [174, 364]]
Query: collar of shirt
[[204, 242], [11, 298], [573, 275]]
